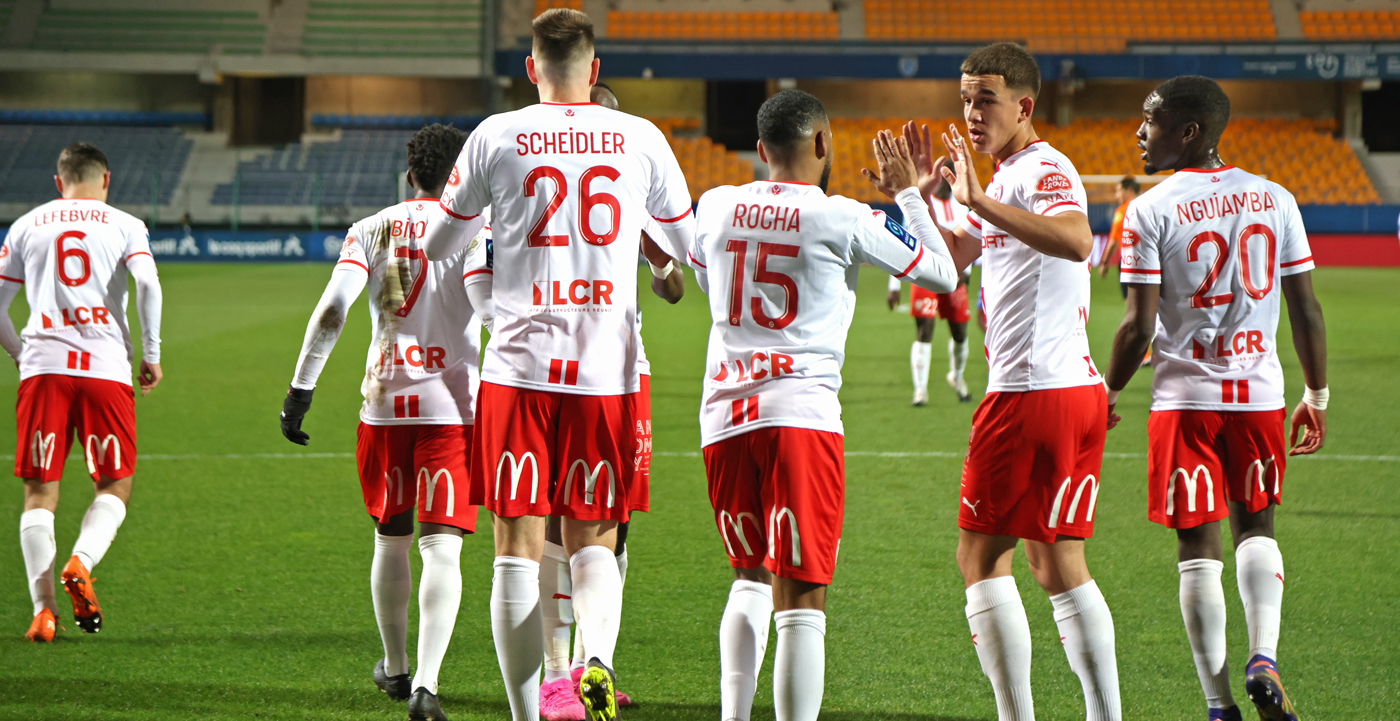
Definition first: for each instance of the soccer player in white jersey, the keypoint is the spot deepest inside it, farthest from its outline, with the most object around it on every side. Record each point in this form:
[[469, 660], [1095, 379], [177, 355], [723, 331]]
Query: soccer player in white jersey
[[1032, 465], [72, 256], [1206, 255], [928, 307], [779, 260], [568, 183], [414, 437]]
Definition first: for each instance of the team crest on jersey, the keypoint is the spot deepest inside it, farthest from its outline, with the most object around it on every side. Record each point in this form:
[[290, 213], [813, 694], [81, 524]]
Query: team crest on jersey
[[569, 112], [1130, 238], [775, 190], [454, 178], [898, 231], [1054, 183]]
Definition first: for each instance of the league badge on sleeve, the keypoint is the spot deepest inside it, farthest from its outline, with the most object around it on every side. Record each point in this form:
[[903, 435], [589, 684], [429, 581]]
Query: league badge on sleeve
[[898, 231]]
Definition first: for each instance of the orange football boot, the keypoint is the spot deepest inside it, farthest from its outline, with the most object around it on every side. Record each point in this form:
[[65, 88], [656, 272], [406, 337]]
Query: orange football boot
[[79, 587], [43, 627]]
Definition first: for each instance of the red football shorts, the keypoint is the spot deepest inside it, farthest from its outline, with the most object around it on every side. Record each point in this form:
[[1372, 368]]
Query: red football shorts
[[951, 307], [779, 496], [1032, 465], [545, 453], [424, 466], [641, 425], [51, 407], [1197, 460]]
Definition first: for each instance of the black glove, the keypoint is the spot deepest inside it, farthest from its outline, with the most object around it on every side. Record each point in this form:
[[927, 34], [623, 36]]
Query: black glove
[[294, 409]]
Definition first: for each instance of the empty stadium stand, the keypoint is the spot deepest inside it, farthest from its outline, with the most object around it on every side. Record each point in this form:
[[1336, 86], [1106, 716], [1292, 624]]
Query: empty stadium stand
[[1069, 26], [104, 28], [1350, 25], [357, 169], [1301, 155], [724, 26], [387, 28], [138, 155]]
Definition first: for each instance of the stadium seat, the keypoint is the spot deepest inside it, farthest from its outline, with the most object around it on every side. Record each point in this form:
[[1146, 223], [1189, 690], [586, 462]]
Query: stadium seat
[[1350, 25], [1069, 26], [723, 26], [145, 161], [443, 28], [1301, 155]]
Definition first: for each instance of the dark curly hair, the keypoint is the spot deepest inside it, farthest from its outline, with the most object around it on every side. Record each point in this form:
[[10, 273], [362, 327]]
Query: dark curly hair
[[1198, 99], [788, 117], [431, 154]]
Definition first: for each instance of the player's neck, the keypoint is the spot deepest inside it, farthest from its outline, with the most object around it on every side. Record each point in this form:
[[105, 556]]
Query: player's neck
[[1020, 141], [1208, 160], [85, 192], [784, 174], [565, 93]]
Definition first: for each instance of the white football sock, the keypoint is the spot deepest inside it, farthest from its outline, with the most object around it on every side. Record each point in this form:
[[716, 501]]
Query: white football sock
[[1259, 573], [37, 544], [557, 611], [439, 599], [799, 665], [1086, 630], [1203, 610], [579, 659], [622, 565], [957, 356], [517, 632], [920, 356], [100, 525], [743, 639], [1002, 636], [597, 600], [391, 586]]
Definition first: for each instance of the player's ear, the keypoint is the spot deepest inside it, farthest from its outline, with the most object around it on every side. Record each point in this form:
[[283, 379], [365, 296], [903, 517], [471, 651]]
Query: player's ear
[[59, 182], [820, 145], [408, 178], [1027, 108], [530, 70], [593, 74], [761, 156], [106, 180]]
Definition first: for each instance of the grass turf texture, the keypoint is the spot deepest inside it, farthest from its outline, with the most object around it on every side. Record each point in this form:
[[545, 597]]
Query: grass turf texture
[[238, 587]]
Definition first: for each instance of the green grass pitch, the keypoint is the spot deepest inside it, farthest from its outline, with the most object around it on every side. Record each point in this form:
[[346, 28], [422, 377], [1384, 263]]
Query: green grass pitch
[[238, 587]]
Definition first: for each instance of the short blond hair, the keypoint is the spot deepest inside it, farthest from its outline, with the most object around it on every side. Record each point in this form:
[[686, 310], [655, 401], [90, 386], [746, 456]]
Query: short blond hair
[[562, 36]]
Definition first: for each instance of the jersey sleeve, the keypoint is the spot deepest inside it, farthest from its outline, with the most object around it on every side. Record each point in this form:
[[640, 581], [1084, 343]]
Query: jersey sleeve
[[11, 259], [1052, 191], [468, 189], [480, 262], [879, 240], [972, 225], [138, 242], [1140, 259], [352, 252], [1295, 254], [668, 202]]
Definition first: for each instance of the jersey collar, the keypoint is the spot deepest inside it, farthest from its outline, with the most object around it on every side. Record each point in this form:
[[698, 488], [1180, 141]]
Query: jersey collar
[[1017, 155], [1221, 169]]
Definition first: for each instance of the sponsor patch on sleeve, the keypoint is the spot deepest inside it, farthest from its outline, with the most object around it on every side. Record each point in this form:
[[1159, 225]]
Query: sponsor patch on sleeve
[[1130, 238], [899, 232], [1054, 183]]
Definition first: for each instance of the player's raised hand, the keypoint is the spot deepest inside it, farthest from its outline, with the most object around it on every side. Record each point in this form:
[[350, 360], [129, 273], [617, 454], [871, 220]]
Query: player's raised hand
[[149, 377], [920, 142], [895, 167], [1314, 423], [963, 177], [294, 408]]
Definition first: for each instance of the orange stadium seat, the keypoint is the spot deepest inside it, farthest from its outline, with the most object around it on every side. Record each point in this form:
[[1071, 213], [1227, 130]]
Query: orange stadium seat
[[675, 25], [1092, 26], [1301, 155], [543, 5], [1350, 25], [705, 163]]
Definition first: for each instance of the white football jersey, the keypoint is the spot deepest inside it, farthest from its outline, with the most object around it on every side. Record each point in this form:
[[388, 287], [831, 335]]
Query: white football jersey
[[482, 259], [779, 262], [1037, 306], [71, 256], [1218, 242], [947, 212], [569, 188], [421, 368]]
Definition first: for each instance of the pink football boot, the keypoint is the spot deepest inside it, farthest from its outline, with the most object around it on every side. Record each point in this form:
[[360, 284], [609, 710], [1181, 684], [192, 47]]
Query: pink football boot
[[559, 701]]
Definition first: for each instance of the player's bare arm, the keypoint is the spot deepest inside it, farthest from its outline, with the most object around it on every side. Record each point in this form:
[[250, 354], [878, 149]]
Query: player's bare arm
[[1132, 340], [668, 280], [1310, 342], [1066, 235]]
